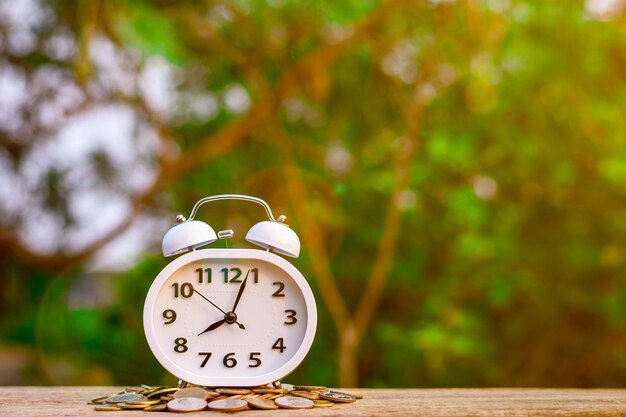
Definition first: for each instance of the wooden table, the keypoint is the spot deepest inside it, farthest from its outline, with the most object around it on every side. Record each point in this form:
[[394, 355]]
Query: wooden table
[[72, 401]]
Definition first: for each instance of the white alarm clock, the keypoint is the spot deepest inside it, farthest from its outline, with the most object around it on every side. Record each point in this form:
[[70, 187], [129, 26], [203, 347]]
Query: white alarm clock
[[230, 317]]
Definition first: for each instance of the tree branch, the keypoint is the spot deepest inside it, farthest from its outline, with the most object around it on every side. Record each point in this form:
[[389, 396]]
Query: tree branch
[[370, 298], [212, 147], [294, 78], [311, 233]]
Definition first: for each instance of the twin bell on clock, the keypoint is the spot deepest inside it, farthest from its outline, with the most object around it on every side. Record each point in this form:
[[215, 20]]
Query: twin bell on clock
[[230, 317]]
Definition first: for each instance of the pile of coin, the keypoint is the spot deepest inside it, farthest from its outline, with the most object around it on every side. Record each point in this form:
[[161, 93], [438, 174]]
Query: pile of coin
[[184, 397]]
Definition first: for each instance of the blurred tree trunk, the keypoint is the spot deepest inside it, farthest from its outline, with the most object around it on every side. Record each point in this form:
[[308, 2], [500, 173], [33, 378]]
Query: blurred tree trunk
[[350, 327], [348, 357]]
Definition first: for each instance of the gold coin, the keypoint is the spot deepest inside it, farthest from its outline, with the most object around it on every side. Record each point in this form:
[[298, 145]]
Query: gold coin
[[357, 396], [108, 408], [186, 405], [156, 407], [322, 403], [310, 388], [195, 392], [270, 391], [163, 391], [221, 397], [126, 406], [293, 402], [228, 405], [167, 398], [233, 391], [311, 395], [99, 400], [123, 398], [336, 397], [261, 403]]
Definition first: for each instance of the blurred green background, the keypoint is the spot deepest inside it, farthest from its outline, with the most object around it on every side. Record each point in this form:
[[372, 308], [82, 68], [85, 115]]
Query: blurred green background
[[456, 172]]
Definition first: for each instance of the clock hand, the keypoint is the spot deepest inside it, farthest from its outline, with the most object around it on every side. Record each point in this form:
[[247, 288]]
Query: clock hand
[[213, 326], [213, 304], [240, 293], [228, 317]]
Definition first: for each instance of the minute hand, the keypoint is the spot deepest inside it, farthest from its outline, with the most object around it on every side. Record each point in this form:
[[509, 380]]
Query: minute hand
[[212, 303], [241, 288]]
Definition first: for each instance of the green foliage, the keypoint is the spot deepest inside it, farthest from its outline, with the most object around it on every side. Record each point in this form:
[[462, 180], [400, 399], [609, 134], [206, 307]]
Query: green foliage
[[149, 30], [510, 268]]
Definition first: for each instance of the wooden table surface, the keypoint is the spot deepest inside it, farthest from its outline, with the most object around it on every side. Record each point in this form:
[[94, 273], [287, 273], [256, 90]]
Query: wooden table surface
[[72, 401]]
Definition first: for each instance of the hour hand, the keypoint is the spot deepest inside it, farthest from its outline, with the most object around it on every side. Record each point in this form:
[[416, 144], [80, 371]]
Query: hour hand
[[213, 326]]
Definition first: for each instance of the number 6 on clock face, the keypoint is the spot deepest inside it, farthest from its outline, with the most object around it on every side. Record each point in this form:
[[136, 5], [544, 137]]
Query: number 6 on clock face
[[230, 317]]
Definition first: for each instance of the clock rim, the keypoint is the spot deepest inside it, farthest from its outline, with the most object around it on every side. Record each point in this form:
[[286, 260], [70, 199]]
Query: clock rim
[[256, 254]]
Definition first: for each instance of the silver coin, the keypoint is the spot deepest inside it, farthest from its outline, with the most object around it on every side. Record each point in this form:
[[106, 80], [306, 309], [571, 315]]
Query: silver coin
[[351, 394], [123, 398], [294, 402], [337, 397], [288, 387], [186, 405]]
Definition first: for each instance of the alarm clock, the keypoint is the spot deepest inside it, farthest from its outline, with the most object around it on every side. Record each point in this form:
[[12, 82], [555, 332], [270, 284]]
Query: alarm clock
[[230, 317]]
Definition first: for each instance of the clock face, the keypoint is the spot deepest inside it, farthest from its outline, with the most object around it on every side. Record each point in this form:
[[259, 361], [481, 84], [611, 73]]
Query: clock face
[[230, 317]]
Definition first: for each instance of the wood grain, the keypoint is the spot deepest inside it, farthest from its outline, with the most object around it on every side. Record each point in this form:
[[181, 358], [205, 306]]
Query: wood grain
[[72, 401]]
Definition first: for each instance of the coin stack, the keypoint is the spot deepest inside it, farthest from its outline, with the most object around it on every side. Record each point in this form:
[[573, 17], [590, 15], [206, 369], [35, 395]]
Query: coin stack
[[185, 397]]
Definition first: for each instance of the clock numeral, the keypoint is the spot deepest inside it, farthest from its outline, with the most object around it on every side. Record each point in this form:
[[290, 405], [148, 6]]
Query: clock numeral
[[234, 280], [180, 345], [232, 275], [186, 290], [229, 361], [206, 359], [254, 358], [170, 315], [279, 291], [202, 273], [279, 344], [291, 316]]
